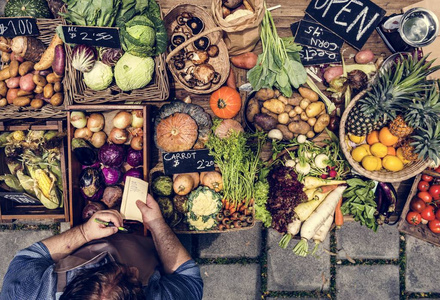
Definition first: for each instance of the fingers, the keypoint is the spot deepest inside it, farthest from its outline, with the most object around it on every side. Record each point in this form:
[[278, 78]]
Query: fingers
[[142, 206], [150, 201], [110, 216]]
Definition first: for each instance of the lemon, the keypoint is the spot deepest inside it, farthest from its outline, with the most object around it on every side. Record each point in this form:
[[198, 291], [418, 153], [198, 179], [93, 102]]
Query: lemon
[[371, 163], [379, 150], [392, 163], [379, 164], [356, 139], [359, 153], [399, 154], [367, 147]]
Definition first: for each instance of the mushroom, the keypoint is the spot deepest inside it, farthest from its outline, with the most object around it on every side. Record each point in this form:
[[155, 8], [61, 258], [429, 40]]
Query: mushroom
[[204, 73], [196, 25], [179, 64], [216, 78], [202, 43], [213, 51], [178, 39], [198, 57], [183, 18]]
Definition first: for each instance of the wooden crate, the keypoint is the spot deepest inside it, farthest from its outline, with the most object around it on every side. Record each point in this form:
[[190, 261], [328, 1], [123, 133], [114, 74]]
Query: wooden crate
[[420, 231], [76, 201], [11, 210]]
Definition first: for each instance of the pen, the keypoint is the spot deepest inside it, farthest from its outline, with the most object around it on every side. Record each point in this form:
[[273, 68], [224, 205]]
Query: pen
[[109, 224]]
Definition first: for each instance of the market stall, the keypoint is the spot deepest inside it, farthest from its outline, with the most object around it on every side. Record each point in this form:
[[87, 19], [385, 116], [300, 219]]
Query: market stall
[[234, 112]]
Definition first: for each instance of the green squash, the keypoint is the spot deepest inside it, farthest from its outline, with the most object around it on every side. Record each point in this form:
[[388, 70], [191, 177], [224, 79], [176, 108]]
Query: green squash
[[27, 8]]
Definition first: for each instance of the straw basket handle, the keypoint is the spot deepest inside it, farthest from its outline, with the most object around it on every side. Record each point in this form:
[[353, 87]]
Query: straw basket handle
[[187, 42]]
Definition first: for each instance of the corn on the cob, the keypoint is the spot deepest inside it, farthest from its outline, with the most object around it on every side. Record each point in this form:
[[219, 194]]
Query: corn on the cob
[[44, 182], [18, 135]]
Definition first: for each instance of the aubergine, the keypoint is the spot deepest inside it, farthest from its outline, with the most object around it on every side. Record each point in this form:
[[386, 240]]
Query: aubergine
[[92, 184], [85, 154]]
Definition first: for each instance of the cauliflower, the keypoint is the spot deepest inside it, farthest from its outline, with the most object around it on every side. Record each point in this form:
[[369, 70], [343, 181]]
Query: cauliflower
[[203, 206], [133, 72], [199, 224]]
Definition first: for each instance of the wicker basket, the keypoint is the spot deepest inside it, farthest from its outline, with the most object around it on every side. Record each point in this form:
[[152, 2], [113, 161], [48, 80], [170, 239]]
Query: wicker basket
[[182, 227], [383, 175], [47, 30], [220, 63], [157, 90]]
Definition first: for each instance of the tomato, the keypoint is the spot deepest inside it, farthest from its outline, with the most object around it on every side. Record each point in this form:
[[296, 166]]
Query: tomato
[[434, 191], [427, 178], [413, 218], [417, 205], [437, 214], [428, 213], [434, 225], [437, 170], [425, 196], [423, 186]]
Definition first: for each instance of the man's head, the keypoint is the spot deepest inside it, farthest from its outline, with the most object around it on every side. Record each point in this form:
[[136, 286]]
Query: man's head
[[110, 282]]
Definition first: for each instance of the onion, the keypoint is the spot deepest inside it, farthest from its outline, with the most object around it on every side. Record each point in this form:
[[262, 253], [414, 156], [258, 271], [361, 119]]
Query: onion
[[138, 119], [137, 143], [78, 119], [122, 120], [118, 136], [83, 133], [95, 122], [98, 139]]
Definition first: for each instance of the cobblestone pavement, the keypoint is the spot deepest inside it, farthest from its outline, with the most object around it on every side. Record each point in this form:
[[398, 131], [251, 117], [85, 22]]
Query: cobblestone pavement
[[353, 263]]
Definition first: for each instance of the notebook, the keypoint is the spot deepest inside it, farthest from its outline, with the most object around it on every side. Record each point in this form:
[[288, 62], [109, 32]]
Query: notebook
[[134, 189]]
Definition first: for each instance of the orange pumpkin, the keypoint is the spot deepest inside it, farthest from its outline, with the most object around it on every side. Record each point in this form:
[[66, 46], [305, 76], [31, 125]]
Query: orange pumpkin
[[225, 102], [177, 132]]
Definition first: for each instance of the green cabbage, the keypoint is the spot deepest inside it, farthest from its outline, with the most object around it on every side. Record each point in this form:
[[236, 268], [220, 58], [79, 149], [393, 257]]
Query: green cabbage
[[133, 72], [100, 77]]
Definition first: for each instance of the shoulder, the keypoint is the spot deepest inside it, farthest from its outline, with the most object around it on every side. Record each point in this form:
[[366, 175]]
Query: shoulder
[[184, 283]]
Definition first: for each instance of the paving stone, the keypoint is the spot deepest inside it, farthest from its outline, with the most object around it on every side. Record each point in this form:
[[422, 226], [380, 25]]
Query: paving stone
[[282, 298], [361, 242], [235, 281], [64, 226], [14, 240], [421, 266], [186, 240], [244, 243], [367, 282], [289, 272]]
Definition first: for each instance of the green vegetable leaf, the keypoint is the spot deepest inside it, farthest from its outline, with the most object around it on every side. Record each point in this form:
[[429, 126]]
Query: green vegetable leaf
[[369, 211], [254, 76], [355, 182], [297, 73]]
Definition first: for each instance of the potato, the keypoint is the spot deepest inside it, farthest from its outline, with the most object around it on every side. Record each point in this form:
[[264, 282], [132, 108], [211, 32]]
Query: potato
[[315, 108], [26, 83], [299, 127], [304, 103], [364, 57], [252, 108], [265, 121], [39, 80], [22, 101], [274, 105], [310, 134], [308, 94], [37, 103], [275, 134], [48, 90], [296, 118], [332, 73], [292, 113], [265, 94], [304, 116], [13, 68], [23, 93], [11, 95], [283, 99], [58, 87], [38, 89], [5, 46], [268, 112], [57, 99], [288, 108], [25, 68], [287, 135], [6, 57], [295, 99], [245, 61], [298, 110], [283, 118], [321, 123], [3, 88], [311, 121], [3, 102], [52, 78], [13, 82], [4, 74]]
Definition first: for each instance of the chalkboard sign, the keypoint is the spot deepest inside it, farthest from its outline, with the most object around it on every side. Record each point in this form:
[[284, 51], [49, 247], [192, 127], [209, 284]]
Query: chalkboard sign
[[311, 56], [187, 161], [92, 36], [12, 27], [314, 35], [352, 20], [19, 197]]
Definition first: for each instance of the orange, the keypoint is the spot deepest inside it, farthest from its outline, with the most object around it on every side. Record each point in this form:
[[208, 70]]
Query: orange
[[391, 151], [386, 138], [373, 137]]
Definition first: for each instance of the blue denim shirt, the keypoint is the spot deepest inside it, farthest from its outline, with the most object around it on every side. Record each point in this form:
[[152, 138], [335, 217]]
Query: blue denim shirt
[[30, 276]]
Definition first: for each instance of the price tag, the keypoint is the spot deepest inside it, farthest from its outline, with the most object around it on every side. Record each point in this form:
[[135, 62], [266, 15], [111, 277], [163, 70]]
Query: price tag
[[12, 27], [19, 197], [187, 161], [92, 36]]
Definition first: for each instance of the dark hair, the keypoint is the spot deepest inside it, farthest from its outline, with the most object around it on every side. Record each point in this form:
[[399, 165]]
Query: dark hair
[[111, 281]]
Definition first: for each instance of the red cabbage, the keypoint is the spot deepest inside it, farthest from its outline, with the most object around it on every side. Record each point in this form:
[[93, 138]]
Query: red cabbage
[[111, 155], [135, 172], [134, 157], [110, 56], [91, 184], [83, 58], [112, 176]]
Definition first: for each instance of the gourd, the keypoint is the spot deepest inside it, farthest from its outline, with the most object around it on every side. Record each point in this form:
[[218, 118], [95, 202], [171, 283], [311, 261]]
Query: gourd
[[213, 180], [183, 184], [30, 8], [177, 132], [225, 102]]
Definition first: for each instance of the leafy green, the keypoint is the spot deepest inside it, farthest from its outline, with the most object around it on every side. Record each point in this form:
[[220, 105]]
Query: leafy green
[[279, 65], [91, 12], [359, 202], [261, 194], [126, 12]]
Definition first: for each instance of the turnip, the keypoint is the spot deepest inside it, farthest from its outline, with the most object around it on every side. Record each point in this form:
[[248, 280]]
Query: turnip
[[303, 168], [320, 161], [317, 219]]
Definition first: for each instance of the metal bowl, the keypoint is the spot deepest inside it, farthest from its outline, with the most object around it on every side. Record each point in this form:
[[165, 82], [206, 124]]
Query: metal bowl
[[418, 27]]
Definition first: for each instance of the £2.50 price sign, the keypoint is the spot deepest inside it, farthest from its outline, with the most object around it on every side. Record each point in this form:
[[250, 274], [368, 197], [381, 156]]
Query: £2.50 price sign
[[92, 36]]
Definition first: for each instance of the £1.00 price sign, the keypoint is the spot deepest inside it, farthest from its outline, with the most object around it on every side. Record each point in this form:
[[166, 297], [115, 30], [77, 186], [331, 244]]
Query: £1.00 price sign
[[12, 27]]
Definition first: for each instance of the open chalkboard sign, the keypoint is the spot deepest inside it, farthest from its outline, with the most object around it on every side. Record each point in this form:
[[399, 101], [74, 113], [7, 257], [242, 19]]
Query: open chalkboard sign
[[92, 36], [354, 21], [19, 197], [187, 161], [12, 27], [315, 35]]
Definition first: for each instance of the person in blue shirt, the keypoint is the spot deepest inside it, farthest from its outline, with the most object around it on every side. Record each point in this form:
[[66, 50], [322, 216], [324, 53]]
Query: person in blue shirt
[[92, 261]]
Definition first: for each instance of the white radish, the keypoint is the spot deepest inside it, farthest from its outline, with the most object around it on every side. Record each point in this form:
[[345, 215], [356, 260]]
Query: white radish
[[311, 182], [316, 219], [292, 230], [322, 232], [305, 209], [320, 160]]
